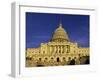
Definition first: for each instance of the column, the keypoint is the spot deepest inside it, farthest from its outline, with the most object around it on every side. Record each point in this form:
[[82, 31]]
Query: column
[[58, 49], [61, 49], [64, 49], [55, 49], [50, 48]]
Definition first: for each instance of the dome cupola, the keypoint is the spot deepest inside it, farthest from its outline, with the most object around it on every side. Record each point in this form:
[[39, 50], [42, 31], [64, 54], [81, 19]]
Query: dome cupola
[[60, 35]]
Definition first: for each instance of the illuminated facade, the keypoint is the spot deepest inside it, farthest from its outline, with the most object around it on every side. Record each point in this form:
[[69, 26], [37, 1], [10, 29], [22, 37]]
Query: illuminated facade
[[58, 51]]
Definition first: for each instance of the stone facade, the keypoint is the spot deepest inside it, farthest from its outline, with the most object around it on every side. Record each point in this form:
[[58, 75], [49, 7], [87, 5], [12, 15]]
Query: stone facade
[[58, 51]]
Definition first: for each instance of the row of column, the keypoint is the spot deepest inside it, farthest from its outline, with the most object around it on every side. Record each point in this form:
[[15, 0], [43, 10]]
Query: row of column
[[58, 48]]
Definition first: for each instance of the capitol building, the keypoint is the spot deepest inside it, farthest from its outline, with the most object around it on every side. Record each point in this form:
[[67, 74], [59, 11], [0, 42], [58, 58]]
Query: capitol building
[[59, 51]]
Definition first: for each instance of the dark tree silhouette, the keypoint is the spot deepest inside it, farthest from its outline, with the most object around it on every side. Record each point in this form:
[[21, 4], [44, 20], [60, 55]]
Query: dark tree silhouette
[[87, 60], [72, 62]]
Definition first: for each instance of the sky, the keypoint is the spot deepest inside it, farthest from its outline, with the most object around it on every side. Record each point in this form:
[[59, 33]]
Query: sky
[[41, 26]]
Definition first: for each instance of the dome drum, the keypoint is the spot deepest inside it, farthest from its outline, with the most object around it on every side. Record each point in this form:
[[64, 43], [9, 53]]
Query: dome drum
[[60, 35]]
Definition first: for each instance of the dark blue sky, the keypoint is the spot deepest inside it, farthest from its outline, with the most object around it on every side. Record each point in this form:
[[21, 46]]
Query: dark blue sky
[[41, 26]]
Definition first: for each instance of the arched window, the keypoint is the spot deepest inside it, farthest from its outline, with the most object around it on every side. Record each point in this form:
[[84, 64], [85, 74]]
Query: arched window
[[74, 57], [51, 57], [46, 58], [40, 59], [43, 51], [64, 58], [58, 60], [59, 51]]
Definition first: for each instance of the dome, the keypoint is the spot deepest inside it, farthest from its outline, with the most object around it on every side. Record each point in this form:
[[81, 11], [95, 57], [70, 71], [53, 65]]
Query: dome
[[60, 35]]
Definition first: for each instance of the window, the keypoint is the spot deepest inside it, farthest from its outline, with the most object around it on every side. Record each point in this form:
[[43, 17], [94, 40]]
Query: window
[[40, 59], [46, 58], [74, 57], [43, 51], [69, 58], [63, 58], [51, 57], [58, 60]]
